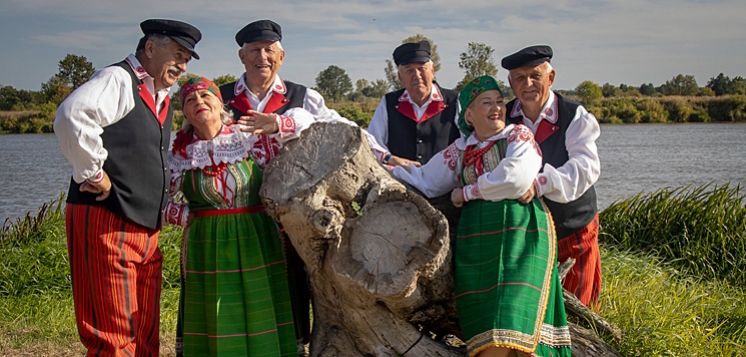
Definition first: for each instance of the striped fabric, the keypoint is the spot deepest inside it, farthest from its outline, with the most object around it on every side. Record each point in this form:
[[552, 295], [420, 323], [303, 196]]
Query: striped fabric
[[584, 279], [116, 275], [508, 292], [507, 288], [235, 299]]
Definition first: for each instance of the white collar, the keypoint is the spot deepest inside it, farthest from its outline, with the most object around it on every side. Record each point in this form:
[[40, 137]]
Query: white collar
[[435, 95], [143, 75], [548, 112], [278, 86]]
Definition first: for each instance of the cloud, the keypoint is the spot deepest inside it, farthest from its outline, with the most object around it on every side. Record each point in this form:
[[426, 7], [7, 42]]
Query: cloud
[[604, 41]]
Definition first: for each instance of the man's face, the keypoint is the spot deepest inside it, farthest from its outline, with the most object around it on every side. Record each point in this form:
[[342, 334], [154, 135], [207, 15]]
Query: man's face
[[168, 62], [532, 84], [262, 60], [417, 77]]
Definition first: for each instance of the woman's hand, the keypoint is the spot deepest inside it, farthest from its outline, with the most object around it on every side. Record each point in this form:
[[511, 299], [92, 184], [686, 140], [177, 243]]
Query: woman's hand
[[528, 196], [259, 123], [400, 161], [457, 197]]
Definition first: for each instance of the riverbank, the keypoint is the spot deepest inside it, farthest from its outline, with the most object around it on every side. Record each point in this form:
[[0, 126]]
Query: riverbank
[[662, 308], [615, 110]]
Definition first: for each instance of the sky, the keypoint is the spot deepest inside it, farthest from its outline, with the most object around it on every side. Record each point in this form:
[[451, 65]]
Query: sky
[[631, 42]]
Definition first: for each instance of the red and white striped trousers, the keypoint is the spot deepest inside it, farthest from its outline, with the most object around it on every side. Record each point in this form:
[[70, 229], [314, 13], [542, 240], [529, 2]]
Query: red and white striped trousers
[[584, 279], [116, 274]]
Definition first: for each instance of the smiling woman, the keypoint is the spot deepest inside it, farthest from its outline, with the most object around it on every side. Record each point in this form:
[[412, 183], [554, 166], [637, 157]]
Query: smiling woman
[[235, 297]]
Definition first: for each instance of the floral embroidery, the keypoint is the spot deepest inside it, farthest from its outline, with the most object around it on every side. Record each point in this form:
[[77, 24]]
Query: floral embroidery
[[288, 125], [474, 192], [451, 154], [520, 133], [543, 180], [264, 149]]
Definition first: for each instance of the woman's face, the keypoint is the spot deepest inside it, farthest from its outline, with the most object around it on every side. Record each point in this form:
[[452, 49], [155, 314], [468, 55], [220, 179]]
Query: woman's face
[[201, 108], [486, 114]]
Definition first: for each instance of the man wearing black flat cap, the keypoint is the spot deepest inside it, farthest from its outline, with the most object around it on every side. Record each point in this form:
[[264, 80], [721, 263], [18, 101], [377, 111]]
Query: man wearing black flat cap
[[261, 89], [115, 130], [566, 133], [418, 121]]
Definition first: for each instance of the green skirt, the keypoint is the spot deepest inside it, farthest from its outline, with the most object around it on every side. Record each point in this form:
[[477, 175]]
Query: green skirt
[[235, 299], [508, 292]]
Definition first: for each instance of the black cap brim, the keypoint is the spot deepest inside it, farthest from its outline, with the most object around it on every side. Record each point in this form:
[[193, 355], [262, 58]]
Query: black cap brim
[[534, 62], [414, 59], [184, 43]]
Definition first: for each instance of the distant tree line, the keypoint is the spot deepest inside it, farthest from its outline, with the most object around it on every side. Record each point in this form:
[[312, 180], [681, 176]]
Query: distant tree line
[[33, 111]]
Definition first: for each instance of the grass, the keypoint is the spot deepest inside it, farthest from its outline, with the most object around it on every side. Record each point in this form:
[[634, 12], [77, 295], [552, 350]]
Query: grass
[[663, 313], [663, 308], [36, 307], [700, 230]]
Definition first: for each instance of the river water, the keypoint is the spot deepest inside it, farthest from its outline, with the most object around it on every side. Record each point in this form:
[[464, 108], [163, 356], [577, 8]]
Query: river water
[[634, 158]]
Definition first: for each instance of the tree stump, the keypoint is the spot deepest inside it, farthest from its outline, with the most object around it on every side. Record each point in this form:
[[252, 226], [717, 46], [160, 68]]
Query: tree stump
[[377, 254]]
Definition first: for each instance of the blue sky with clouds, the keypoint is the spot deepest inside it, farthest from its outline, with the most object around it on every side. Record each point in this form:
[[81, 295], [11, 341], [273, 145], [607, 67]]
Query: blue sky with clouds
[[632, 42]]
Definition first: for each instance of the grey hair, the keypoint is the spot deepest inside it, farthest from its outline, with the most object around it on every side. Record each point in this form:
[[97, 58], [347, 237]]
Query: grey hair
[[160, 40], [398, 68], [547, 65], [279, 45], [226, 116]]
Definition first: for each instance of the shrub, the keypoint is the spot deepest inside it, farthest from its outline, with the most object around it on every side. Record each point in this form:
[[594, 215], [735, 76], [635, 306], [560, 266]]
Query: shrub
[[652, 111]]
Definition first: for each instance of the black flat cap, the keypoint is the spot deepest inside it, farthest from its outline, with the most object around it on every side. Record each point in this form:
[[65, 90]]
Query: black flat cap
[[181, 32], [260, 30], [529, 56], [412, 52]]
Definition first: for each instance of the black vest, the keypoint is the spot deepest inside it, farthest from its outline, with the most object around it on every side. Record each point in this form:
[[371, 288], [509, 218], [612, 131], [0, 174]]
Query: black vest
[[572, 216], [137, 164], [293, 98], [421, 141]]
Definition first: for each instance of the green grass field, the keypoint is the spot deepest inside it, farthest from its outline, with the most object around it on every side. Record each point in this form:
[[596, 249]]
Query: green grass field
[[666, 300]]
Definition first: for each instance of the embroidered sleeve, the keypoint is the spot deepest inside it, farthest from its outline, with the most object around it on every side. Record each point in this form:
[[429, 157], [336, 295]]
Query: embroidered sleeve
[[471, 192], [264, 149], [450, 156], [291, 123], [176, 211], [437, 177], [520, 133]]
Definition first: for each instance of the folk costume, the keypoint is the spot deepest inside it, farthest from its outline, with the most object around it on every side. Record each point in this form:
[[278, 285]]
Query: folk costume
[[410, 131], [566, 133], [508, 292], [235, 297], [281, 97], [116, 123]]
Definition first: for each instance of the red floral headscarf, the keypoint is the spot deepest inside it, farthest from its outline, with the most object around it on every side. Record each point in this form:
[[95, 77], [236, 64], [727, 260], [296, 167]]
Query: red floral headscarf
[[195, 83]]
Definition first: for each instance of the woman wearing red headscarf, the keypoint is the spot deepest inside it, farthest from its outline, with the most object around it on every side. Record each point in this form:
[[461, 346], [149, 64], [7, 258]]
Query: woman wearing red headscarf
[[235, 299]]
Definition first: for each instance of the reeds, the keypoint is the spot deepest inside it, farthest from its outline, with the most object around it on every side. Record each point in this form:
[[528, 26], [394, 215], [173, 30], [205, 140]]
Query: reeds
[[700, 230], [663, 313]]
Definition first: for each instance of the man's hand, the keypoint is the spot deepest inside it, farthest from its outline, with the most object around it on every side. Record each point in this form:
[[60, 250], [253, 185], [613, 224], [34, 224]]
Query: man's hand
[[103, 187], [400, 161], [528, 196], [259, 123], [457, 197]]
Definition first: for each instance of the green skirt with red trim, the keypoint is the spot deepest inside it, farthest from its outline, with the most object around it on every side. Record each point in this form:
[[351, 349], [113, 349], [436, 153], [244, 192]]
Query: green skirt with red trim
[[235, 299], [508, 292]]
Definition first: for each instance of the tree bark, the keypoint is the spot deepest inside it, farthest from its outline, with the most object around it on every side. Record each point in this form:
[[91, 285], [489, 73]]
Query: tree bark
[[376, 253]]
